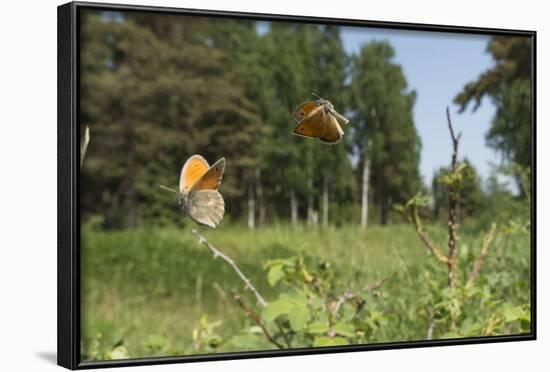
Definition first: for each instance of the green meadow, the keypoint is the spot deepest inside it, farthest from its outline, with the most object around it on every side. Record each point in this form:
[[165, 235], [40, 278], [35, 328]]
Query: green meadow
[[146, 290]]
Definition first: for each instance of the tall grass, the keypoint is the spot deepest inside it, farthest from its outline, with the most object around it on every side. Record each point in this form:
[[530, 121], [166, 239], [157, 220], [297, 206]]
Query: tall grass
[[148, 288]]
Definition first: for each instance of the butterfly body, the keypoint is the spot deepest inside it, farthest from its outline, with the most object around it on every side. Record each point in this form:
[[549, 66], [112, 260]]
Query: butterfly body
[[182, 199], [318, 119], [198, 196]]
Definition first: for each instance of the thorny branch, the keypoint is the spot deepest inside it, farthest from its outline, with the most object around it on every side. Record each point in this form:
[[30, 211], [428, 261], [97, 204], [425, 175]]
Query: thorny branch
[[374, 286], [487, 239], [432, 248], [430, 330], [249, 313], [453, 207], [217, 253], [347, 295]]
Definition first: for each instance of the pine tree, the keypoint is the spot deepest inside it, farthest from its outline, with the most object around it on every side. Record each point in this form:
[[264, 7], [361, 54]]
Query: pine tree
[[508, 85]]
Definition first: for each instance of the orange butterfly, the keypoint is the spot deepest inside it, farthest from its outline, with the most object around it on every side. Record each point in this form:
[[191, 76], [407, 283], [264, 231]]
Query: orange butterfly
[[319, 119], [198, 195]]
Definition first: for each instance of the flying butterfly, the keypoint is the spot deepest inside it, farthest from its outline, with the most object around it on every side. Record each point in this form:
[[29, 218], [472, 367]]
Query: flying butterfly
[[198, 195], [319, 119]]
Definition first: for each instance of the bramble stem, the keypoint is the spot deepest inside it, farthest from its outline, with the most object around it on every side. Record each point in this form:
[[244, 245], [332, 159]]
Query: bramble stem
[[454, 198], [345, 296], [432, 248], [217, 253], [249, 313]]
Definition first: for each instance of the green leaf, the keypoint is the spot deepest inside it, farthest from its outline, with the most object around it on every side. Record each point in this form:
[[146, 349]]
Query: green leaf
[[255, 330], [451, 335], [322, 317], [318, 327], [344, 329], [472, 291], [279, 307], [298, 317], [329, 341], [460, 167], [118, 352], [275, 274], [214, 341], [246, 341], [347, 312], [156, 342], [316, 302], [298, 297], [399, 208], [512, 313]]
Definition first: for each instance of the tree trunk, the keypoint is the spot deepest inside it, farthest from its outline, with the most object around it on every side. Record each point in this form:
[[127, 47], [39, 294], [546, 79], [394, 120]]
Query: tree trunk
[[365, 193], [260, 197], [293, 207], [251, 206], [325, 200]]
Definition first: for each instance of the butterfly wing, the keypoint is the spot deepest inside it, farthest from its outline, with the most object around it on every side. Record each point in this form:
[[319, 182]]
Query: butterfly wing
[[312, 126], [212, 178], [333, 133], [304, 110], [194, 168], [205, 207]]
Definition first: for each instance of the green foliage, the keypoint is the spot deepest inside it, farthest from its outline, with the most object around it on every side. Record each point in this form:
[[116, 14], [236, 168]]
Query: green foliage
[[205, 337], [157, 89], [508, 84], [310, 309], [145, 85], [99, 349], [141, 286], [473, 201], [465, 307]]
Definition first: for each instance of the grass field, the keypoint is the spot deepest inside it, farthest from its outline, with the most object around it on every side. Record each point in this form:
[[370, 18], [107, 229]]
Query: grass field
[[148, 289]]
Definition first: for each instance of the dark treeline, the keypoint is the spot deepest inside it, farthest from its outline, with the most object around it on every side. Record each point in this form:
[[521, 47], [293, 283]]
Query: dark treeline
[[156, 89]]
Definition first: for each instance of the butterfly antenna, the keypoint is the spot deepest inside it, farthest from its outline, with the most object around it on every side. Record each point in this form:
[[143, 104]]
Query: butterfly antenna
[[168, 189], [316, 96]]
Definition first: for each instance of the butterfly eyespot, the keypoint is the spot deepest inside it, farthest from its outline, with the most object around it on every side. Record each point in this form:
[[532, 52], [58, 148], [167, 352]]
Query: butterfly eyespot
[[302, 113]]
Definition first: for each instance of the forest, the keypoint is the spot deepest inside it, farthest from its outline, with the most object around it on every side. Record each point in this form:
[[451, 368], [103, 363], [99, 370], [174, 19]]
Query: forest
[[325, 232]]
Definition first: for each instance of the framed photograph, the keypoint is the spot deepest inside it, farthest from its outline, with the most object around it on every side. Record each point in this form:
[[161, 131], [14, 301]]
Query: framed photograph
[[238, 185]]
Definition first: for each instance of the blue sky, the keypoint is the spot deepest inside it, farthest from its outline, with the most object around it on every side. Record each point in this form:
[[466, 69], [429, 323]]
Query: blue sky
[[437, 66]]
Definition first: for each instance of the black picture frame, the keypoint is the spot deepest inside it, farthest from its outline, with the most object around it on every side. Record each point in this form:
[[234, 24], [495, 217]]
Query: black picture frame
[[68, 318]]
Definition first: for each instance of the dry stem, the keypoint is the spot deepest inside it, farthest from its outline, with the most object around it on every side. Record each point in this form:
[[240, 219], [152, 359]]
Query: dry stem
[[374, 286], [430, 330], [84, 144], [345, 296], [217, 253], [432, 248], [249, 313]]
